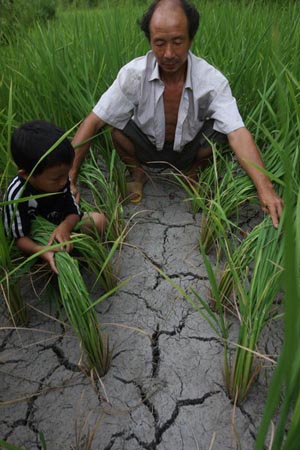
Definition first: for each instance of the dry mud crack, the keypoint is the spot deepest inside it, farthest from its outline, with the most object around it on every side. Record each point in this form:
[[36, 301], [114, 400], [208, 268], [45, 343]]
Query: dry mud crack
[[164, 390]]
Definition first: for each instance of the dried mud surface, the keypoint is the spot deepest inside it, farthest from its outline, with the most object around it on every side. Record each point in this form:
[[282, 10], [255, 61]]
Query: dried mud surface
[[164, 390]]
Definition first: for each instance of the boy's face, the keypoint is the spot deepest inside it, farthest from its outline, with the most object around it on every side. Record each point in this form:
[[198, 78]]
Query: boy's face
[[52, 179]]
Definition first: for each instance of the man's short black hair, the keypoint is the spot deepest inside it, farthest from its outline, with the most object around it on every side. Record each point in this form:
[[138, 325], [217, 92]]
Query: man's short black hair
[[189, 9], [31, 141]]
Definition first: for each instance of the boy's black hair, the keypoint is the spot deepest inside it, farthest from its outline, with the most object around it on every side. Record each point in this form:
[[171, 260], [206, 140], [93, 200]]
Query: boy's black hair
[[189, 9], [31, 141]]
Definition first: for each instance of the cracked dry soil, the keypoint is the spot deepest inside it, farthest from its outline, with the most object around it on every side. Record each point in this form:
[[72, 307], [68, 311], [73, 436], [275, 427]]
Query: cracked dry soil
[[164, 390]]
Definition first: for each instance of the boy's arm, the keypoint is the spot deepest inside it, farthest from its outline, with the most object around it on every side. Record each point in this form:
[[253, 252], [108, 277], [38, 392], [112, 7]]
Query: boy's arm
[[29, 247], [60, 234]]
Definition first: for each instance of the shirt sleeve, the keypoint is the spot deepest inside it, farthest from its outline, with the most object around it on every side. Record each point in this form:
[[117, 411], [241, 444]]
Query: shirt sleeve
[[223, 109], [116, 106], [17, 220]]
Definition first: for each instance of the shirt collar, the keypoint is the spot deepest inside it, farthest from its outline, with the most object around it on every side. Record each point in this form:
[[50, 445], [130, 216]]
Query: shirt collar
[[155, 72], [188, 82]]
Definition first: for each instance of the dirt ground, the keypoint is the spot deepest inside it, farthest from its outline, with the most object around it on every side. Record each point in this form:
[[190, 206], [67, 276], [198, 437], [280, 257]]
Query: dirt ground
[[164, 389]]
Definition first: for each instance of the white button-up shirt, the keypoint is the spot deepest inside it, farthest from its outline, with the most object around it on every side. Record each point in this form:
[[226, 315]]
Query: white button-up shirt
[[137, 94]]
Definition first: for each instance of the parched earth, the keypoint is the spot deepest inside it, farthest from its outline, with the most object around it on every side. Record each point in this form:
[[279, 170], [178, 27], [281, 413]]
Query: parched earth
[[164, 389]]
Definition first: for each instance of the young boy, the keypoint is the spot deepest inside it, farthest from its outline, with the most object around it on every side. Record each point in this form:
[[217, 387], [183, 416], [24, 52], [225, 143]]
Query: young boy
[[28, 144]]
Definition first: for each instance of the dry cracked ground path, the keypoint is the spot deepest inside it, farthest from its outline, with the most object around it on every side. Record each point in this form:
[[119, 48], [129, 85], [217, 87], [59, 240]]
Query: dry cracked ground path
[[164, 390]]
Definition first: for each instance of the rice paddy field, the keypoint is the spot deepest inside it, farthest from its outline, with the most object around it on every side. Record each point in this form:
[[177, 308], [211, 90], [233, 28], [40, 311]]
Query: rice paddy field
[[179, 330]]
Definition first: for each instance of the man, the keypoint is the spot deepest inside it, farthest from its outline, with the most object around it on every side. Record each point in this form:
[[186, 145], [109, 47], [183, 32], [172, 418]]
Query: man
[[163, 107]]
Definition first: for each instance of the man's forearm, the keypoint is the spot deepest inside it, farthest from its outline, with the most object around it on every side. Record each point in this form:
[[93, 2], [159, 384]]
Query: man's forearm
[[243, 145], [246, 151], [89, 128]]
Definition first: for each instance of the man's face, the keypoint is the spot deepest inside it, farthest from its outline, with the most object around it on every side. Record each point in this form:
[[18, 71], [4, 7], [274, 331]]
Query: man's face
[[169, 39], [52, 179]]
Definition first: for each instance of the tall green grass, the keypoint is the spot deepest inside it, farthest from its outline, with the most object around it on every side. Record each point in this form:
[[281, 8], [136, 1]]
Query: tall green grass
[[10, 285], [283, 400]]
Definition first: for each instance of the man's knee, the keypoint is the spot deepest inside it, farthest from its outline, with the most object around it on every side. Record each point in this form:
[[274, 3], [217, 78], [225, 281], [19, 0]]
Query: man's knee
[[204, 152], [121, 141]]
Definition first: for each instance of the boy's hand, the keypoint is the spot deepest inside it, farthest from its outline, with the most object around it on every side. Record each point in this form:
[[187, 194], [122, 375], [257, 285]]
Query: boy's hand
[[49, 258], [62, 233], [28, 246]]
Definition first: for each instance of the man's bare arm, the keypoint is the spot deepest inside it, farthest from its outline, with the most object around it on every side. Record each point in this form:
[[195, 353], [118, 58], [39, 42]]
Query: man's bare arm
[[242, 143], [89, 128]]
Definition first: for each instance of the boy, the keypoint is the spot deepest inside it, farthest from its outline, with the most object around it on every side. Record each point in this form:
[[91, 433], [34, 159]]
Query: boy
[[28, 145]]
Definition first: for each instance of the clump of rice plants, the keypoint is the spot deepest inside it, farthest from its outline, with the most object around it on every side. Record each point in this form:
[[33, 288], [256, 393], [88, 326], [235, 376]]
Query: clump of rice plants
[[77, 304], [10, 284], [115, 167], [105, 193], [254, 301], [220, 191], [241, 259], [255, 289]]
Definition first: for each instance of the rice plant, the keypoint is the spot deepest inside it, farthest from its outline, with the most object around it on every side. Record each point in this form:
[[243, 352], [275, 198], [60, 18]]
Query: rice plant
[[241, 259], [105, 193], [77, 304], [232, 189], [115, 167], [255, 304], [283, 400], [10, 284]]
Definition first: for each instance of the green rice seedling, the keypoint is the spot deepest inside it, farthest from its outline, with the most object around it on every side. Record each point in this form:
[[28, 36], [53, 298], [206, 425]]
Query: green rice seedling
[[77, 304], [115, 167], [98, 259], [254, 304], [106, 196], [256, 286], [8, 446], [76, 301], [201, 192], [242, 258], [230, 195], [225, 189], [255, 292], [10, 284]]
